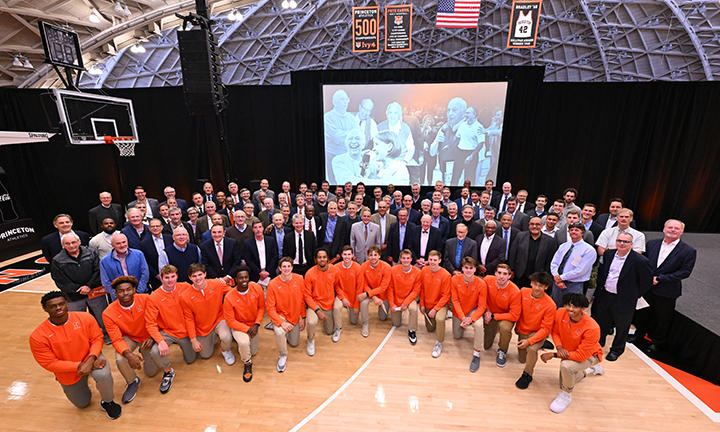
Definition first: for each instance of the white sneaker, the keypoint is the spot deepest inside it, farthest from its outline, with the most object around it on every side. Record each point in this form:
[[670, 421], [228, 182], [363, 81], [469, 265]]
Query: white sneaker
[[437, 350], [311, 347], [449, 315], [336, 334], [561, 402], [229, 357], [282, 363], [364, 331], [595, 370]]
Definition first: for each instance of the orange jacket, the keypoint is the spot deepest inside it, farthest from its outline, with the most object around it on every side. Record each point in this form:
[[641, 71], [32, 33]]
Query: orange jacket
[[503, 303], [468, 296], [320, 288], [404, 287], [579, 338], [129, 322], [203, 309], [435, 288], [242, 311], [285, 300], [164, 312], [536, 315], [377, 279], [61, 349], [349, 283]]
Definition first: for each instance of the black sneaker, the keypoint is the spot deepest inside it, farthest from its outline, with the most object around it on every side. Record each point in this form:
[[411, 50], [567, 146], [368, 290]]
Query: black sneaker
[[524, 381], [131, 391], [412, 337], [112, 409], [547, 345], [247, 372], [167, 381]]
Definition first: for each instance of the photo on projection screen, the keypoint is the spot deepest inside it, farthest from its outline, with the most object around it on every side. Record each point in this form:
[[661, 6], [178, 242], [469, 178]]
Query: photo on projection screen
[[407, 133]]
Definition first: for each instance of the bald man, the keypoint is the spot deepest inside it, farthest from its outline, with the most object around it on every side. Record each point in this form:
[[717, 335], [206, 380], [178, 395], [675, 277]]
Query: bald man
[[123, 261]]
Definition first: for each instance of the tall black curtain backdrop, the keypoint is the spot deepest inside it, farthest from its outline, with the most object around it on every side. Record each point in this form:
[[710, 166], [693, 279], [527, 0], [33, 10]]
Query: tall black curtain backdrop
[[651, 143]]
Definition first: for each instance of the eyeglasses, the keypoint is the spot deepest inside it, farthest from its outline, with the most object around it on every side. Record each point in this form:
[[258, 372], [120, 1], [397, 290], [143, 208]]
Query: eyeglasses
[[623, 241]]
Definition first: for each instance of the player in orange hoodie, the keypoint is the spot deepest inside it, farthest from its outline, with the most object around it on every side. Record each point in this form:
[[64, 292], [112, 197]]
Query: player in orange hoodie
[[69, 344], [576, 337]]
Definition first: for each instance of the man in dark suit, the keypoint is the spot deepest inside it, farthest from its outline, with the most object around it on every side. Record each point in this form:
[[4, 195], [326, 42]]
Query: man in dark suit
[[671, 261], [457, 248], [519, 220], [136, 229], [464, 198], [197, 203], [538, 209], [262, 267], [622, 278], [313, 223], [176, 221], [205, 222], [587, 213], [106, 209], [562, 235], [335, 232], [501, 200], [609, 220], [51, 244], [208, 193], [423, 240], [439, 221], [299, 244], [531, 252], [491, 249], [467, 218], [220, 254], [268, 209], [399, 235], [413, 215], [169, 193], [151, 204], [508, 233], [278, 231], [151, 246]]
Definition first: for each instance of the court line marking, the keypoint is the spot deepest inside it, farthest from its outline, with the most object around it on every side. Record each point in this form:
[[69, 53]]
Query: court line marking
[[345, 385], [699, 404], [14, 289]]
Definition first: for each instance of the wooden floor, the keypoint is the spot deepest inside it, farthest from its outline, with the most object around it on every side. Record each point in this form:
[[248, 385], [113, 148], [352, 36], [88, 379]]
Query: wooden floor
[[402, 388]]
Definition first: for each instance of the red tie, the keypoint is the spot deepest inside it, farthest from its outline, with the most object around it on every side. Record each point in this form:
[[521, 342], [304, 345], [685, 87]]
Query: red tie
[[311, 227]]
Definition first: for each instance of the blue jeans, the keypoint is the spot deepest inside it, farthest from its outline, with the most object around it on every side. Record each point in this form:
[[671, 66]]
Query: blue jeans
[[572, 287]]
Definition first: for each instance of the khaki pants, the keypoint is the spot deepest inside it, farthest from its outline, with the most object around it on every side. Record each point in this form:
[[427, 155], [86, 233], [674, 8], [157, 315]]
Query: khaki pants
[[185, 345], [572, 372], [247, 346], [505, 329], [151, 364], [283, 338], [328, 324], [412, 316], [477, 326], [79, 393], [437, 324], [529, 355], [365, 312], [208, 341], [337, 313]]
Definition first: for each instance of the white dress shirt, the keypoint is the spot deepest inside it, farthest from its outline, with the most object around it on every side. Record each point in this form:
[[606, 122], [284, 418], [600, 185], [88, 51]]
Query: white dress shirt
[[614, 273], [424, 236], [382, 228], [665, 249], [298, 251], [484, 247], [261, 252]]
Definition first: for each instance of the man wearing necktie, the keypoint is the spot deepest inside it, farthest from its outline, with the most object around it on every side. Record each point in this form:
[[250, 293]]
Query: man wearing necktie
[[364, 235], [508, 233], [572, 264], [299, 245]]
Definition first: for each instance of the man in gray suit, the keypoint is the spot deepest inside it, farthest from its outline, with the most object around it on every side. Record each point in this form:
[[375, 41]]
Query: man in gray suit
[[363, 235], [457, 248], [532, 251], [573, 216], [152, 206], [384, 220], [519, 219]]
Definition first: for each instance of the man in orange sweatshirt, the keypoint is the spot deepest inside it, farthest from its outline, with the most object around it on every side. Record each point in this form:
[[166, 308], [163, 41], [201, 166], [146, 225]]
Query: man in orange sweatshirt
[[469, 296], [576, 337], [376, 279], [69, 344], [244, 309], [403, 291], [203, 311], [165, 323], [320, 297], [286, 308], [503, 309], [434, 298], [125, 323], [537, 314], [348, 284]]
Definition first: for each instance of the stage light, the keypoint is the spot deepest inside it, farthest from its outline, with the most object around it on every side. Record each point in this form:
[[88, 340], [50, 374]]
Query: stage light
[[293, 4], [285, 4], [122, 9], [95, 70], [17, 63], [94, 16], [27, 64], [137, 48], [235, 15]]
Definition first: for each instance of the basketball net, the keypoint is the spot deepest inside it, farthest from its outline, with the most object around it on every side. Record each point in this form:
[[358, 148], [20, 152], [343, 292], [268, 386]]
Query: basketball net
[[126, 145]]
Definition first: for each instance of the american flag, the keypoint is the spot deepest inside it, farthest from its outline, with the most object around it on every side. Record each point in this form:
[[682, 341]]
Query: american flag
[[458, 13]]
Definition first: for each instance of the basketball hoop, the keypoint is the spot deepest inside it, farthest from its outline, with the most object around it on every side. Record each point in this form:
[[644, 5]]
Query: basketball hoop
[[126, 145]]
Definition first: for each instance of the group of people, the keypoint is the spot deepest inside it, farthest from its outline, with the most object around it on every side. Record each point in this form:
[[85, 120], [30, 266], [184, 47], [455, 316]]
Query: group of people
[[408, 147], [186, 273]]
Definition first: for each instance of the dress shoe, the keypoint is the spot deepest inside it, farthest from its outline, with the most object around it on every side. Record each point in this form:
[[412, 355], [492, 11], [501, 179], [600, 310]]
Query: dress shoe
[[652, 349], [634, 338], [612, 356]]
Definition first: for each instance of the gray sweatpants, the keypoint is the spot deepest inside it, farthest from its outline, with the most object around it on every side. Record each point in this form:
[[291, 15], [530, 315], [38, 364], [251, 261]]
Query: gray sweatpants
[[79, 393], [189, 355]]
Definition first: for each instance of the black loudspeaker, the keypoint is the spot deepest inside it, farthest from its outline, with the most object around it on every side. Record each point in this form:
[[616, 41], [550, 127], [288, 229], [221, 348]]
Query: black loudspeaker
[[202, 76]]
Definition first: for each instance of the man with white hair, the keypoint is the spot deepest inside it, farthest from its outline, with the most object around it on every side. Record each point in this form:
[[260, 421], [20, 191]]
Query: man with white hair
[[240, 231], [264, 188], [176, 221], [502, 199], [106, 209], [169, 193], [136, 230], [269, 209], [123, 261], [338, 122], [181, 253]]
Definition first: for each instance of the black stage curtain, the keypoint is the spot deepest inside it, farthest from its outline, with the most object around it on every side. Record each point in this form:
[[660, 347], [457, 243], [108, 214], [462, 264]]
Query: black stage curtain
[[650, 143]]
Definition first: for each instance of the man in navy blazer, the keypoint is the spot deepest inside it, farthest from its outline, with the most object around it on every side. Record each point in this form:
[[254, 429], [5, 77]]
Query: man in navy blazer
[[261, 269], [149, 247], [210, 254], [434, 241], [494, 254], [398, 236], [623, 277], [51, 245], [671, 261], [451, 261]]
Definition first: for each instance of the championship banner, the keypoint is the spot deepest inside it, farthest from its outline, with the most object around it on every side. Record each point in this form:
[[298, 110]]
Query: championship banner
[[15, 230], [366, 29], [398, 28], [524, 23]]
